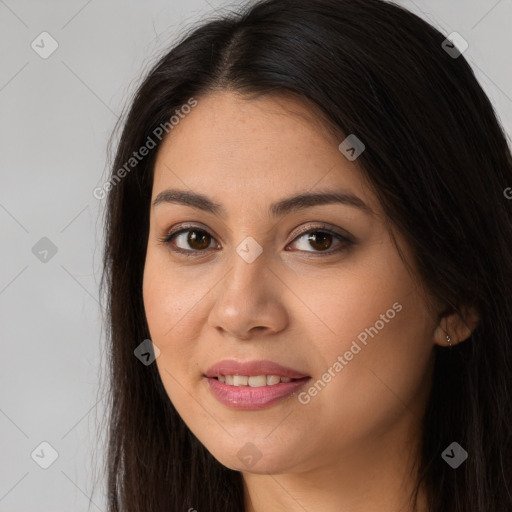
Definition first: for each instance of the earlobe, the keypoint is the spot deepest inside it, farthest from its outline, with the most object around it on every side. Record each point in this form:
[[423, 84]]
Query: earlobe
[[455, 327]]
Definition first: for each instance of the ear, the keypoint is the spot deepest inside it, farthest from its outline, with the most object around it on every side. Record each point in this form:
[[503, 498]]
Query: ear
[[458, 326]]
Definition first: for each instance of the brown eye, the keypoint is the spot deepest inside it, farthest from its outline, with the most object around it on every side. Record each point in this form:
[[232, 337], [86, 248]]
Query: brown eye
[[198, 239], [321, 242], [194, 241], [189, 240]]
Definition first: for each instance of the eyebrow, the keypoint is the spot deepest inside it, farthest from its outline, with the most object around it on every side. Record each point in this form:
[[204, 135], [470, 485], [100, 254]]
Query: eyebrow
[[278, 209]]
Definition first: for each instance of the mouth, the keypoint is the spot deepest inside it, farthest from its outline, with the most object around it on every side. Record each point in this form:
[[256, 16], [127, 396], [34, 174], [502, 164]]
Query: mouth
[[254, 381], [254, 384], [231, 368]]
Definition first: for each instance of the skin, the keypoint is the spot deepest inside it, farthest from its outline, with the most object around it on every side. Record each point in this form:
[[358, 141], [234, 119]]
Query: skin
[[354, 445]]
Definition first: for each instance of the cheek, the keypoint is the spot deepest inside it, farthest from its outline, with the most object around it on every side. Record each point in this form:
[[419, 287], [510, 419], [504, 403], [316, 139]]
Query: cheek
[[169, 308], [377, 321], [370, 296], [174, 302], [384, 367], [171, 299]]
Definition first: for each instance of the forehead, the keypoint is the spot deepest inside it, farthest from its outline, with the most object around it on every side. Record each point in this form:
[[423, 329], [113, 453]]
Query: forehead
[[270, 146]]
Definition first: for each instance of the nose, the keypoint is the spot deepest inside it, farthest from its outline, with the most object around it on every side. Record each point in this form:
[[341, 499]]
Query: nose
[[248, 301]]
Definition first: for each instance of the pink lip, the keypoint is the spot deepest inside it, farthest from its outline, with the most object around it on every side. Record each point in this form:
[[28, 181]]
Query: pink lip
[[246, 397], [252, 368]]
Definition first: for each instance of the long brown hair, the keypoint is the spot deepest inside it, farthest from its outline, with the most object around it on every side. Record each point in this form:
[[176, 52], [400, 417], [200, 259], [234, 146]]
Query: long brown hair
[[439, 161]]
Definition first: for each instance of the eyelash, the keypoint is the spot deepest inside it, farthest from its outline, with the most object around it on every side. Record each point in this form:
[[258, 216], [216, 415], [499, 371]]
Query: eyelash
[[197, 253]]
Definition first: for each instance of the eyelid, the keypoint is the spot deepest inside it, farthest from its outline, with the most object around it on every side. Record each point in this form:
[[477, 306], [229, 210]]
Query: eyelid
[[345, 239], [188, 227], [324, 227]]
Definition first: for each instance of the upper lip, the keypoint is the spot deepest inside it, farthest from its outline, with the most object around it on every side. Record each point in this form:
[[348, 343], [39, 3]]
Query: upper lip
[[251, 368]]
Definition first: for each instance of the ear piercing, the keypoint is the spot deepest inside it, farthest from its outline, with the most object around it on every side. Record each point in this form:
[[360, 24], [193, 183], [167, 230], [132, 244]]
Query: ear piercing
[[449, 340]]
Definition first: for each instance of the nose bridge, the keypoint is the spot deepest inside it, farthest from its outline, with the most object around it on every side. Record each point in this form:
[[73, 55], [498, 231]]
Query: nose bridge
[[247, 269], [246, 297]]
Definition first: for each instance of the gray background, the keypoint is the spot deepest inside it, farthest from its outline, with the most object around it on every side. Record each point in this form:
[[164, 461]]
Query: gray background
[[55, 121]]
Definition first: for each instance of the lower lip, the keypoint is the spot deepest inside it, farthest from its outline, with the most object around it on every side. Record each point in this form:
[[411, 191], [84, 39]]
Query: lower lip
[[246, 397]]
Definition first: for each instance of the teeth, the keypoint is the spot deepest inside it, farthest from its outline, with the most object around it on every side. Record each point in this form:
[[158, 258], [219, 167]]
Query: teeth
[[255, 381], [273, 379], [240, 380]]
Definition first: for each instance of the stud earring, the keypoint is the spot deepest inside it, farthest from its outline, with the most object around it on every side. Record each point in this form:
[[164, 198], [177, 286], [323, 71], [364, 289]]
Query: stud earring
[[449, 341]]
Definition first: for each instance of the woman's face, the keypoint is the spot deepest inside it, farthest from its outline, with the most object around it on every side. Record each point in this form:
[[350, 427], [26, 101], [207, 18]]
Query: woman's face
[[315, 286]]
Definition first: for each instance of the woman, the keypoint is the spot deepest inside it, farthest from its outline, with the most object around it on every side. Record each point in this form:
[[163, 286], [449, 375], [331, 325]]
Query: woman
[[308, 265]]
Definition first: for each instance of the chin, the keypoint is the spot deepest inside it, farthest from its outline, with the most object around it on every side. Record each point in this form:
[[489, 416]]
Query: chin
[[260, 468], [254, 458]]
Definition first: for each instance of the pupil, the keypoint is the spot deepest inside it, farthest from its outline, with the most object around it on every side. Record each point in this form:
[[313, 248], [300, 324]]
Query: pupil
[[321, 239], [193, 239]]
